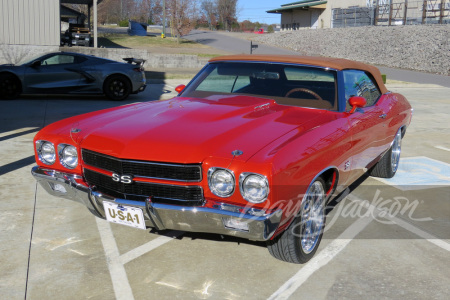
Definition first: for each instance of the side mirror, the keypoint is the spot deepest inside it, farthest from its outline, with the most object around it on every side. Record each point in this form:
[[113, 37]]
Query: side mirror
[[356, 102], [180, 88], [36, 64]]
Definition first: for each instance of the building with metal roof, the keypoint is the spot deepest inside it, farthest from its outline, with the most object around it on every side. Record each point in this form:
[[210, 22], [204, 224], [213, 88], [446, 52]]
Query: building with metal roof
[[312, 13], [33, 27]]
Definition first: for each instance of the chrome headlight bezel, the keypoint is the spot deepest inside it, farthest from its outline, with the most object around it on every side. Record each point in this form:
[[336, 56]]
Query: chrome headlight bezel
[[214, 171], [64, 156], [45, 156], [243, 179]]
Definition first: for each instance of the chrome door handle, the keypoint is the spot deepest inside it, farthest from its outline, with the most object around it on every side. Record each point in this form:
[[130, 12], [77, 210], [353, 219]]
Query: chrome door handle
[[383, 116]]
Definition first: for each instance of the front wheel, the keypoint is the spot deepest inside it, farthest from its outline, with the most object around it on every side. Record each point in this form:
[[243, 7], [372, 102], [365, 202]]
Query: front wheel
[[300, 241], [117, 87], [10, 88], [388, 164]]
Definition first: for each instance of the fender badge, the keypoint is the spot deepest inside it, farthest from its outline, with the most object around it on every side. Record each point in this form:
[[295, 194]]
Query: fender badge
[[237, 153]]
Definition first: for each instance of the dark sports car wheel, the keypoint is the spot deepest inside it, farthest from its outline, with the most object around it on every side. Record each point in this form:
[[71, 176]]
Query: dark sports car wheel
[[300, 241], [117, 87], [9, 87], [388, 164]]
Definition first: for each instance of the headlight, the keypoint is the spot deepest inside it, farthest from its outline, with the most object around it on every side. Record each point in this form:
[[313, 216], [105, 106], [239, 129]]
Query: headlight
[[221, 182], [68, 156], [254, 187], [46, 152]]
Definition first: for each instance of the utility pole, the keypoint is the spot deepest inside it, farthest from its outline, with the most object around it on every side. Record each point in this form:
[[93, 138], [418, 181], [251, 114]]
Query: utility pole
[[163, 34]]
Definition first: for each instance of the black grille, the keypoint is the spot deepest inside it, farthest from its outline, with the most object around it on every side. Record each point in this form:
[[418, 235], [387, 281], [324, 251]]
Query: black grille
[[188, 173], [160, 193]]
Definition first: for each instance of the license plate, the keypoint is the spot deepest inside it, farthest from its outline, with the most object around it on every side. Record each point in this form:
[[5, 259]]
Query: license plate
[[125, 215]]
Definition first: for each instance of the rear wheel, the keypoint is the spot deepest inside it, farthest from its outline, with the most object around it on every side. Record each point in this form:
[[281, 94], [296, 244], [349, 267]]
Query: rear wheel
[[388, 164], [300, 241], [10, 87], [117, 87]]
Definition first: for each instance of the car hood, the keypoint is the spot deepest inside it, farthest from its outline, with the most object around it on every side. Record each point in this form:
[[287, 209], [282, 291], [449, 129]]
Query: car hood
[[188, 130]]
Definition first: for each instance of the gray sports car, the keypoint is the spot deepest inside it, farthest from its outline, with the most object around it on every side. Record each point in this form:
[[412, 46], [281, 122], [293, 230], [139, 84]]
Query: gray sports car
[[73, 73]]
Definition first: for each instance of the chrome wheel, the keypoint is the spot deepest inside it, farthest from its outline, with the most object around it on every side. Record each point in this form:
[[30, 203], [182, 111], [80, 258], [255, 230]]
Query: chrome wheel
[[312, 217], [396, 150]]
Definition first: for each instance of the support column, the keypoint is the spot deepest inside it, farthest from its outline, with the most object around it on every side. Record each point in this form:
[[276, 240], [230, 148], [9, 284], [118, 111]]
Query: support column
[[95, 24], [405, 12]]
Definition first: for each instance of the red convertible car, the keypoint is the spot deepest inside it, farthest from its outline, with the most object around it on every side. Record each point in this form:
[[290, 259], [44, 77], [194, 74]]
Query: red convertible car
[[253, 147]]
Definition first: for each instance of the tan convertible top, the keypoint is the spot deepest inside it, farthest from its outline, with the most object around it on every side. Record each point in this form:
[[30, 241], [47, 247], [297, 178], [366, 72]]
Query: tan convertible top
[[326, 62]]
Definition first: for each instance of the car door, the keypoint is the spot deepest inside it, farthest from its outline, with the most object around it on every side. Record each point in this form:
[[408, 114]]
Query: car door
[[368, 126], [54, 73]]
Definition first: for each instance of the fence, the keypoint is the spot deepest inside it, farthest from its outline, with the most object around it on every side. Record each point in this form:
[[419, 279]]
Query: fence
[[352, 17], [388, 12], [413, 12]]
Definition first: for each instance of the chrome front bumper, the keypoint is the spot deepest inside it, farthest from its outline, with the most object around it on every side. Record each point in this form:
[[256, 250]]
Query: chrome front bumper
[[162, 216]]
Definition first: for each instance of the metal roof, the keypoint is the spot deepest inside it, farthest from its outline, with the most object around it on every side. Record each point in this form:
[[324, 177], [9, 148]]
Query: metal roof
[[296, 5]]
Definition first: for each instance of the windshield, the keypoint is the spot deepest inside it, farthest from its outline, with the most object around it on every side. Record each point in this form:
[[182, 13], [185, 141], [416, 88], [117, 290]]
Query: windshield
[[286, 84]]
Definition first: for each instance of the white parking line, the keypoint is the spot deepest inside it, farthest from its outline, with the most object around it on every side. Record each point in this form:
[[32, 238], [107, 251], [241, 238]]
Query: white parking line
[[333, 249], [122, 288], [141, 250], [408, 226], [116, 262], [321, 259], [442, 148]]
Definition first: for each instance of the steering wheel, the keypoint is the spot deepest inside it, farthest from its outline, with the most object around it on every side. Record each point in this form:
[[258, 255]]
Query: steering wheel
[[308, 91]]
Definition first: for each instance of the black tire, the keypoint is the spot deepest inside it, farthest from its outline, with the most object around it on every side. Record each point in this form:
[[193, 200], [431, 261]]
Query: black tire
[[296, 244], [117, 87], [388, 164], [10, 87]]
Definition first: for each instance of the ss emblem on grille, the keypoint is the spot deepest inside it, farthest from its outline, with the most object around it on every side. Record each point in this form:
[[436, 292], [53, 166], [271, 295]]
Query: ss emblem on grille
[[127, 179]]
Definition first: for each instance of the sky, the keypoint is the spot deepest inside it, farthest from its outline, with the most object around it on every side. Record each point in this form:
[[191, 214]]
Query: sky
[[255, 10]]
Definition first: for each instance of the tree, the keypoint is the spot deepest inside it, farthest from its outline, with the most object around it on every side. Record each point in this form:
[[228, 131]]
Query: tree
[[209, 9], [182, 15], [227, 12]]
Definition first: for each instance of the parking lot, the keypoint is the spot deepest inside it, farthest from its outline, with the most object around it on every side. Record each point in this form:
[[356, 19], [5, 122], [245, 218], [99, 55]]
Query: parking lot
[[388, 239]]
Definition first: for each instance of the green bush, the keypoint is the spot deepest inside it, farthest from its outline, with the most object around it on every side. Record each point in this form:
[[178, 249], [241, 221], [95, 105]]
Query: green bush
[[270, 29], [123, 23]]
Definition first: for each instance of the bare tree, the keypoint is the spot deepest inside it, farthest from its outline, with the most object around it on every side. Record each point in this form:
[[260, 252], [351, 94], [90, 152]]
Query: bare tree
[[209, 9], [227, 12], [181, 14]]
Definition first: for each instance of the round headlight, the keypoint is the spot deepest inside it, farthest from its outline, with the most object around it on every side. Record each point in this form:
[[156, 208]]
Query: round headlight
[[68, 156], [46, 152], [221, 182], [254, 187]]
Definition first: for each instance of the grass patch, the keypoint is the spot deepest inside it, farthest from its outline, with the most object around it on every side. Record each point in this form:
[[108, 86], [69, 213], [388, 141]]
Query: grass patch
[[140, 42]]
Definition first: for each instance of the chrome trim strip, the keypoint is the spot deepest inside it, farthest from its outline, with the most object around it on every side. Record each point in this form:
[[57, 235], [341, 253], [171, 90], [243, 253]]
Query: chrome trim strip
[[147, 163], [273, 63]]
